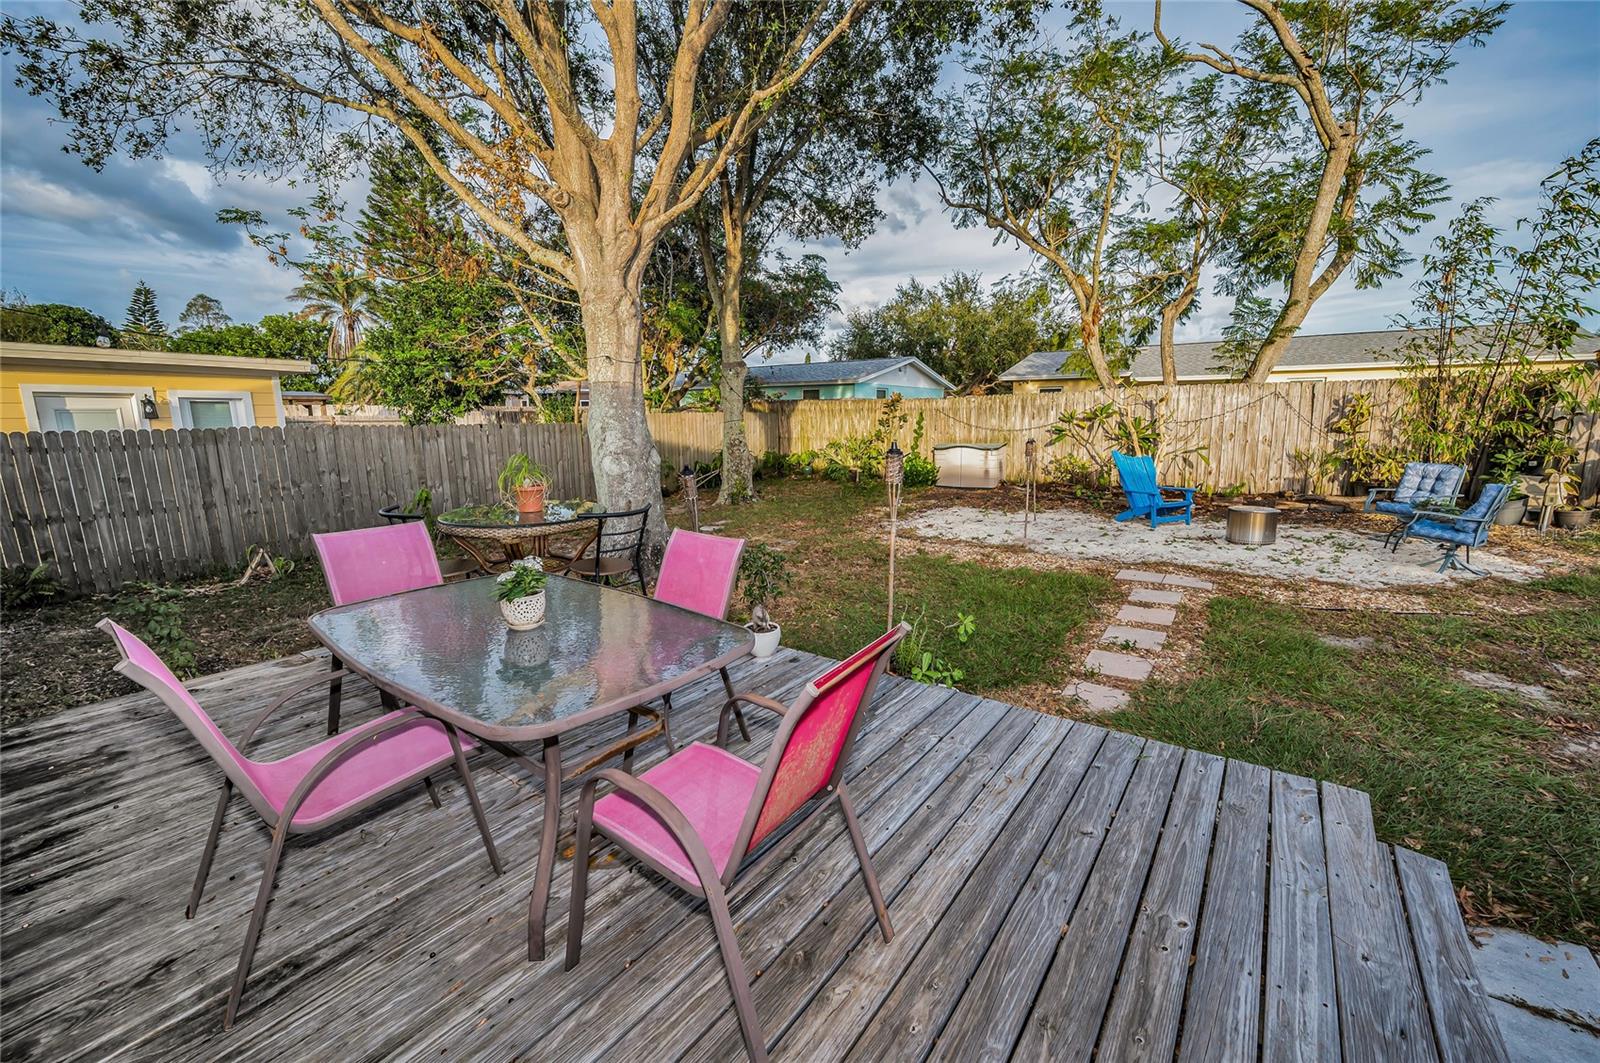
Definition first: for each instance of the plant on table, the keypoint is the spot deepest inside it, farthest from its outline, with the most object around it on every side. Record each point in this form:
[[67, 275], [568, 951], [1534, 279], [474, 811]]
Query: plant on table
[[522, 483], [521, 595], [763, 577]]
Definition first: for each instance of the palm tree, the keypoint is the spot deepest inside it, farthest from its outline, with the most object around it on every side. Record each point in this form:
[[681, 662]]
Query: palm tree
[[337, 296]]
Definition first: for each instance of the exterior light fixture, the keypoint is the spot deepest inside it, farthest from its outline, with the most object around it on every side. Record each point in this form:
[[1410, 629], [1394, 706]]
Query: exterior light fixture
[[147, 406]]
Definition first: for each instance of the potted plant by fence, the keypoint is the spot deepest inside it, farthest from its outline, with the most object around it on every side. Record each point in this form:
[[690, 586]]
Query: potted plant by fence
[[521, 594], [522, 483], [1508, 470], [763, 576]]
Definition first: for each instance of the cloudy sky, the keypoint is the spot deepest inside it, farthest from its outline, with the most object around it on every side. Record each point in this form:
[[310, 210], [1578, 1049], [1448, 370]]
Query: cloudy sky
[[1510, 113]]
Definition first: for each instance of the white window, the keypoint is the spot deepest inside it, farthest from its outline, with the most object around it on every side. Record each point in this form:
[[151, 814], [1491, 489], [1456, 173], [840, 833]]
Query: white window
[[83, 409], [211, 409], [883, 393]]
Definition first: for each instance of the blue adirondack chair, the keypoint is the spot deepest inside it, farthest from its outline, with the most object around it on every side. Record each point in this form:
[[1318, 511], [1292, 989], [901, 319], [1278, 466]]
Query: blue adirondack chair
[[1138, 475], [1468, 528], [1424, 484]]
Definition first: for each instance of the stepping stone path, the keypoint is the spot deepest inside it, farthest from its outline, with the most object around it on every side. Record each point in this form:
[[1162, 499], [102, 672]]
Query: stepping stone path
[[1139, 631]]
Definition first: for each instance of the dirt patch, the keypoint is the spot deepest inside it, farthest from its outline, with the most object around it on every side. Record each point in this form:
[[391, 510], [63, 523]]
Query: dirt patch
[[56, 659]]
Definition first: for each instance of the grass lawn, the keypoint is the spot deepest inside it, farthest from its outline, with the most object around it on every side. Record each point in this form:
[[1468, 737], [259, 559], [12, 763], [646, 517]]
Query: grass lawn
[[1479, 779], [838, 552]]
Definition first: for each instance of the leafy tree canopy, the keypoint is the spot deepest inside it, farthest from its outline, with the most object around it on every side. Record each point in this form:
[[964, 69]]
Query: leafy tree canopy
[[276, 336], [443, 347], [202, 311], [964, 332], [60, 323]]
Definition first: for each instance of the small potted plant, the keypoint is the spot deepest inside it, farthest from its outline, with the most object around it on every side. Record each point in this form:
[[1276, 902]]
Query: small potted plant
[[763, 576], [522, 484], [521, 594], [1508, 470]]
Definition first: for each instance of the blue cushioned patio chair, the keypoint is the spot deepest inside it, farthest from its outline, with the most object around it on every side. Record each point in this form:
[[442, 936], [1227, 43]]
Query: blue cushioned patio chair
[[1468, 528], [1423, 485], [1138, 475]]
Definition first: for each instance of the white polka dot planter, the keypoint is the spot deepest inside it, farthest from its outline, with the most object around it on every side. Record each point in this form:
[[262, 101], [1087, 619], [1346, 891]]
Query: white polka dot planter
[[522, 614]]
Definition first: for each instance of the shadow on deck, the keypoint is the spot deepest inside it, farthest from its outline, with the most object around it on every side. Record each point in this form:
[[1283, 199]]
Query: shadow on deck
[[1056, 889]]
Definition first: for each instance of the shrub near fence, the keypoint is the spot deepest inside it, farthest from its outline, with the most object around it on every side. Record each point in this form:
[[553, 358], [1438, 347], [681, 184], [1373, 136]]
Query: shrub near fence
[[105, 508]]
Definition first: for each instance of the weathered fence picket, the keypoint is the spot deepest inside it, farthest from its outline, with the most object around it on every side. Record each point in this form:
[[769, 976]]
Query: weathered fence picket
[[104, 508]]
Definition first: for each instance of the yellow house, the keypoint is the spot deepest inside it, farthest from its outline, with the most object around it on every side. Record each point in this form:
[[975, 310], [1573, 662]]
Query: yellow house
[[1336, 356], [44, 388]]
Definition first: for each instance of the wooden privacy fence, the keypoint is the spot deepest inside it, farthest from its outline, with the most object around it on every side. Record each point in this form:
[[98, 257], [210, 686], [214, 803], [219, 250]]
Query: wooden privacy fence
[[104, 508], [1255, 436]]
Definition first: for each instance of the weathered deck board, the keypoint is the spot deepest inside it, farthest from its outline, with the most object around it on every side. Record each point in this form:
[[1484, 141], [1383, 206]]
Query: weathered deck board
[[1223, 1012], [1054, 887], [1462, 1023], [1382, 1016]]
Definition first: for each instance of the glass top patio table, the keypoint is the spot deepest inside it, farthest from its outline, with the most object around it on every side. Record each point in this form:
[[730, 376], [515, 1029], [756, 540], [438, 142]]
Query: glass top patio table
[[600, 651]]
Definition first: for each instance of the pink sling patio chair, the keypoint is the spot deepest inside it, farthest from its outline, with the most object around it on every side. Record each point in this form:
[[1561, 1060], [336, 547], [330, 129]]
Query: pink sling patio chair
[[371, 563], [698, 572], [698, 816], [305, 791]]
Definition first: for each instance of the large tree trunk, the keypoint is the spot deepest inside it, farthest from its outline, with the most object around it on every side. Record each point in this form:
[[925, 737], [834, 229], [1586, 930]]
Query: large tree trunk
[[627, 467], [738, 478], [1169, 323], [1305, 285]]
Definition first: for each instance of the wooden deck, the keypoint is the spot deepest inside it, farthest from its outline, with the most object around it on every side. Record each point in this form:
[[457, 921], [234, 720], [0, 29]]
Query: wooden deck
[[1057, 890]]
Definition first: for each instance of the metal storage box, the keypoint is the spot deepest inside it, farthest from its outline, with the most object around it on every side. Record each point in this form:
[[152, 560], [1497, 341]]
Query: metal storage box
[[970, 464]]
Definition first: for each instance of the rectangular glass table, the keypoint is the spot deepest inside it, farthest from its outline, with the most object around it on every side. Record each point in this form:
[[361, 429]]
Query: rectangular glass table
[[600, 653]]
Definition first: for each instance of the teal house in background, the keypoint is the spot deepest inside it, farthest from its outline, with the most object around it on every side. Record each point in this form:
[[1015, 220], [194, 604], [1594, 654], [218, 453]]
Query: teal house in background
[[868, 378]]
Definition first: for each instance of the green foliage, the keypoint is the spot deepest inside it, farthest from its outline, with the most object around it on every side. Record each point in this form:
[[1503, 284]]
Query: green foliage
[[24, 587], [155, 614], [523, 581], [763, 577], [921, 649], [71, 326], [1354, 455], [445, 347], [520, 471], [142, 328], [422, 503], [275, 336], [1507, 466], [965, 333], [1489, 315]]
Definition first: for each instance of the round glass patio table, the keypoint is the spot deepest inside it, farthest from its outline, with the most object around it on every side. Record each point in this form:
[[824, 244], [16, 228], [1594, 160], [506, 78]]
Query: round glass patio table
[[475, 528]]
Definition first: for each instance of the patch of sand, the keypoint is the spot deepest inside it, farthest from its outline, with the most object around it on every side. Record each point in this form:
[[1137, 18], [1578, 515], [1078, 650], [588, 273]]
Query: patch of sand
[[1301, 553]]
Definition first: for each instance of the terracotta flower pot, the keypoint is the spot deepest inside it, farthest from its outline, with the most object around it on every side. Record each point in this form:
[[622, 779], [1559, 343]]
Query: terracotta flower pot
[[530, 498]]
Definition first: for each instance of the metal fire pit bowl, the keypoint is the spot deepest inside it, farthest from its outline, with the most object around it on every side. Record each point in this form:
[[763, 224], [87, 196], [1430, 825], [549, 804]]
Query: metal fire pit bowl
[[1252, 525]]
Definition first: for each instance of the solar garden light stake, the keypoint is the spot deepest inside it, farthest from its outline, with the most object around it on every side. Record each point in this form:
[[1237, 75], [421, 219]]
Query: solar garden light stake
[[894, 475], [1030, 465], [691, 496]]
